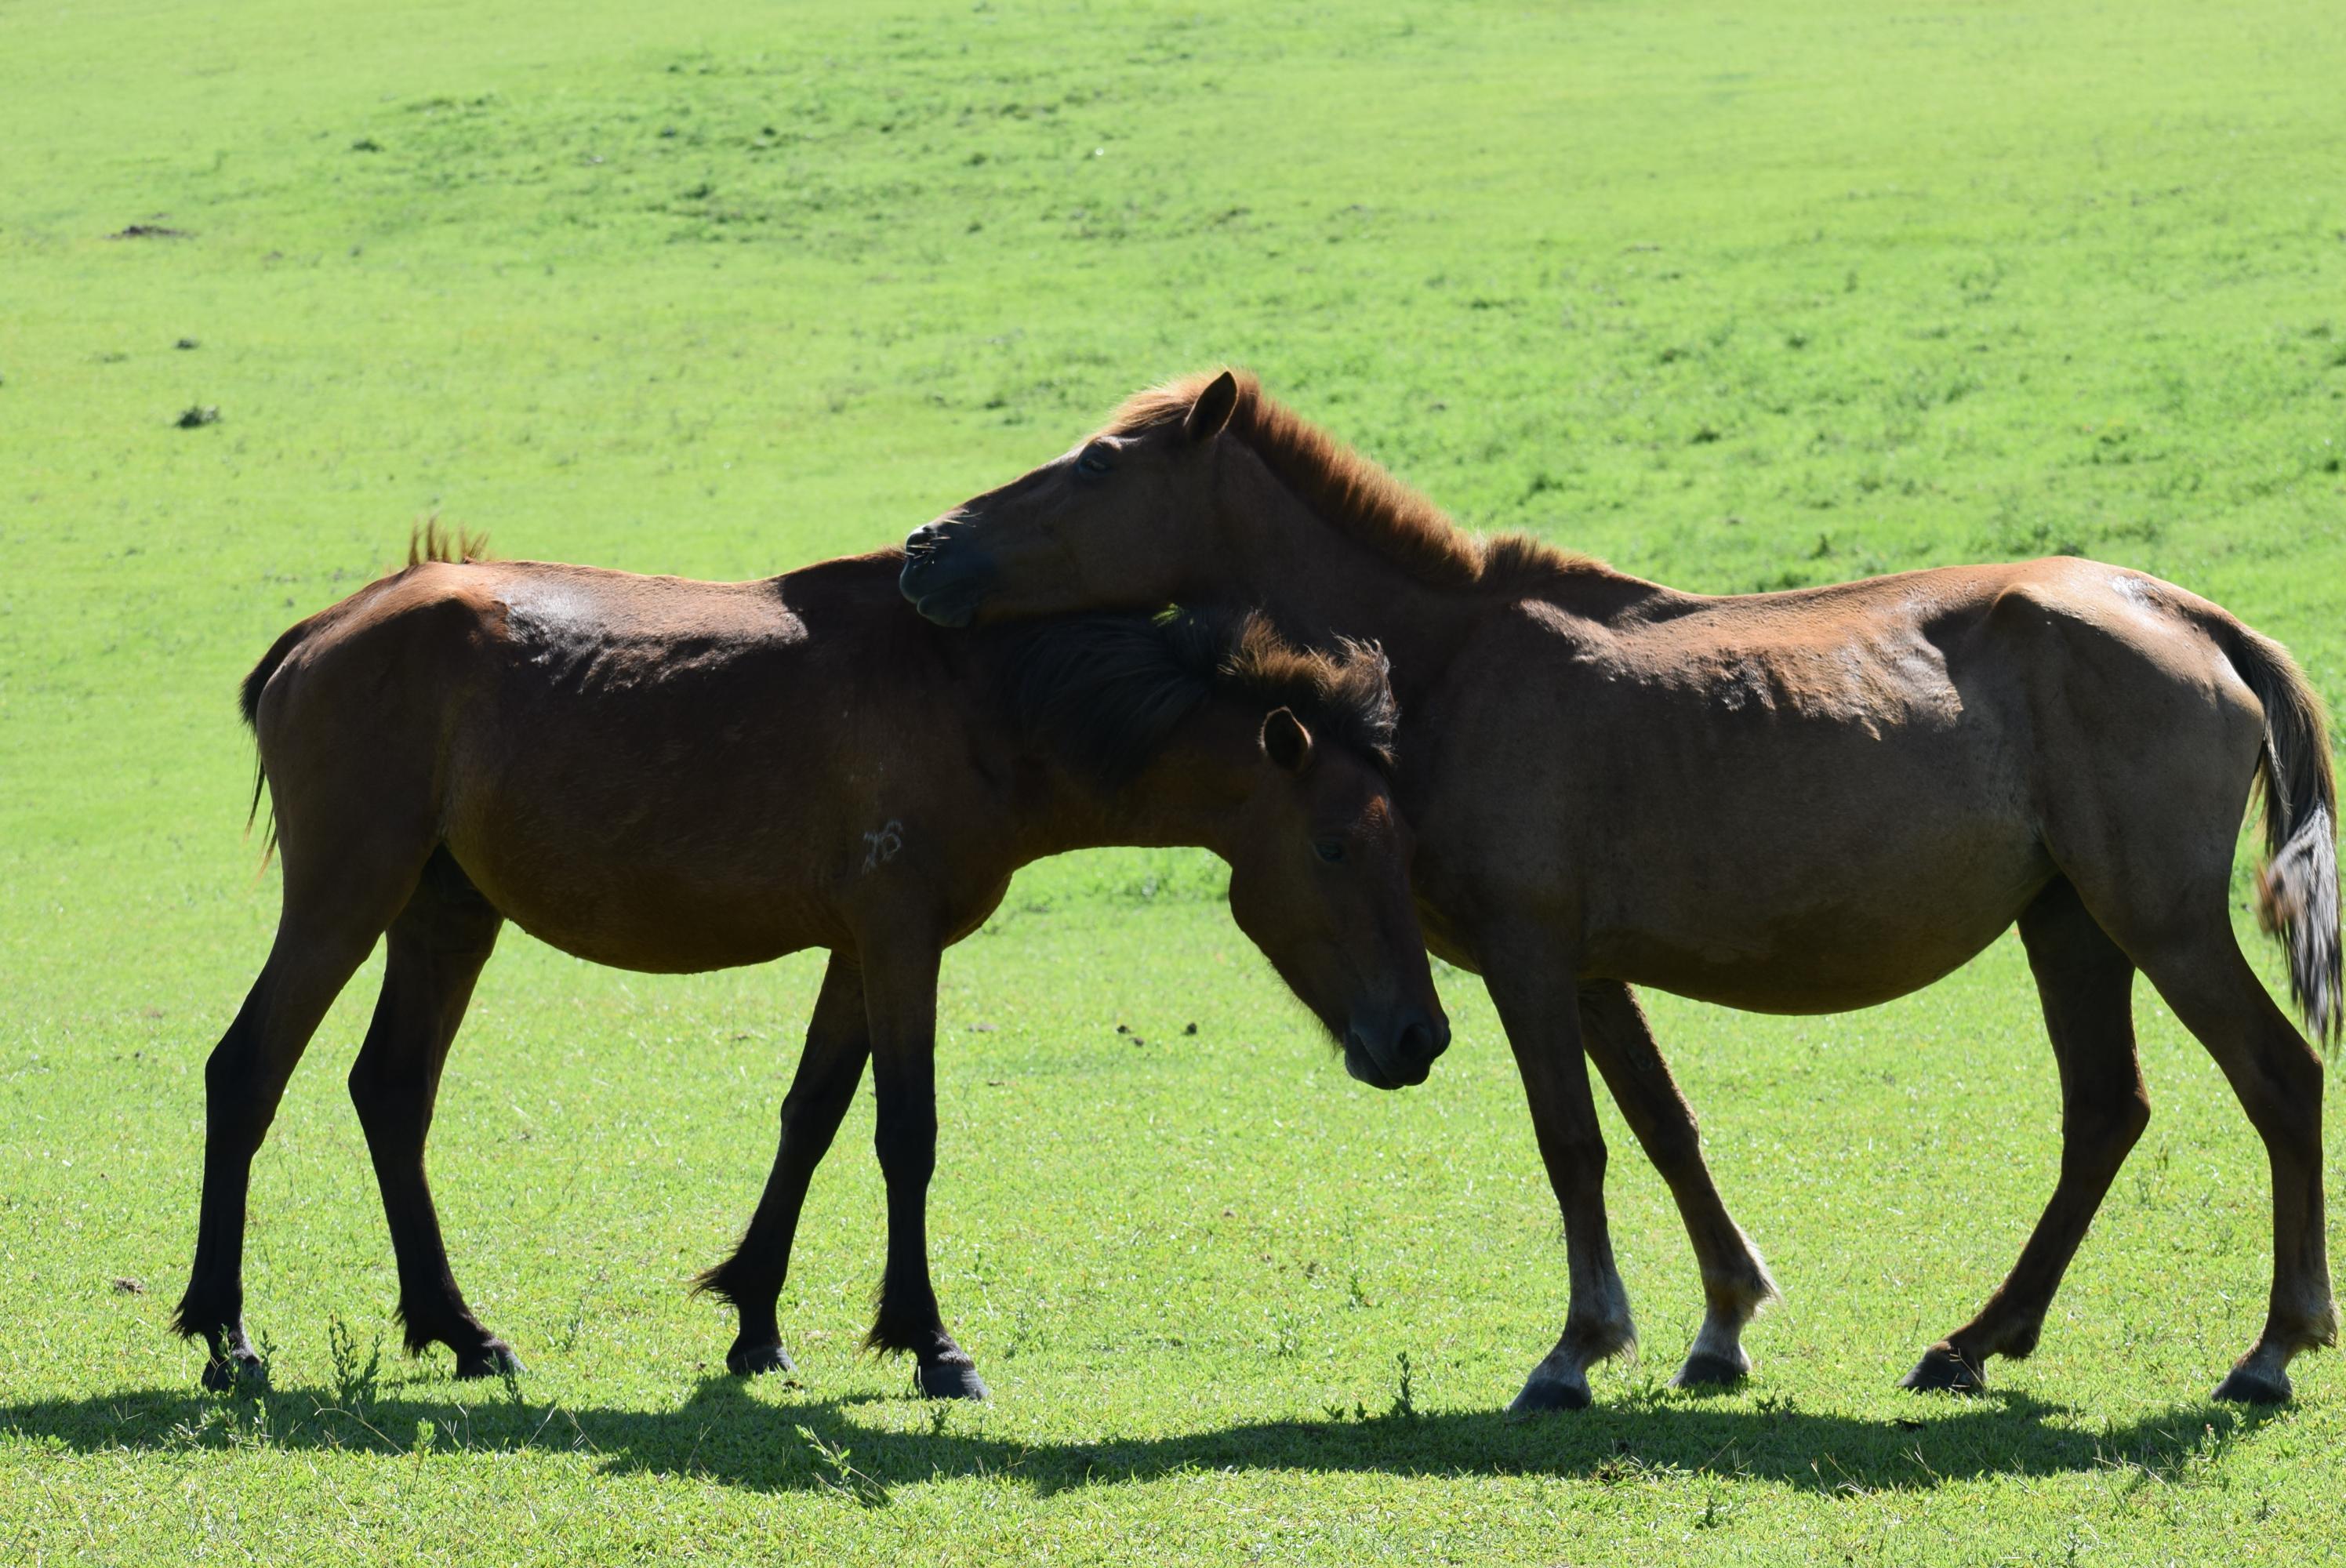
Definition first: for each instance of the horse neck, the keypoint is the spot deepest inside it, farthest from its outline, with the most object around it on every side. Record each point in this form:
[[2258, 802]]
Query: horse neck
[[1316, 579], [1188, 795]]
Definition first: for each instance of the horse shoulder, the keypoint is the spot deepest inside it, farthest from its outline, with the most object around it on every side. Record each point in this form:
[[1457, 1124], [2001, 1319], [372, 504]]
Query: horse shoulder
[[1492, 756]]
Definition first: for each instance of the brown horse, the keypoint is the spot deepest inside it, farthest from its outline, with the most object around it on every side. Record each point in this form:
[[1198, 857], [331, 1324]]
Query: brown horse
[[1793, 802], [672, 776]]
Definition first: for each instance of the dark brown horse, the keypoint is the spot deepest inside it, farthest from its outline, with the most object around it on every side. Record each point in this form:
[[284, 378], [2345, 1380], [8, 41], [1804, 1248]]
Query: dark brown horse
[[670, 775], [1794, 802]]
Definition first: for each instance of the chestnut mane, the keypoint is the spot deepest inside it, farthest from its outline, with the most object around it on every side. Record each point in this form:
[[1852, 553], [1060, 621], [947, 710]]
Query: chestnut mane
[[1356, 497]]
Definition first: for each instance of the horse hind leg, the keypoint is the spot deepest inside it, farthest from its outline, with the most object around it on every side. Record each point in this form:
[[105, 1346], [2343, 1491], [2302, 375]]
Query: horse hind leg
[[436, 949], [1735, 1279], [324, 932], [2276, 1076], [2085, 982]]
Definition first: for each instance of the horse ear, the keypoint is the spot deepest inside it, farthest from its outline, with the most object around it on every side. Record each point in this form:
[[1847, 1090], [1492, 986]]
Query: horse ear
[[1213, 408], [1285, 740]]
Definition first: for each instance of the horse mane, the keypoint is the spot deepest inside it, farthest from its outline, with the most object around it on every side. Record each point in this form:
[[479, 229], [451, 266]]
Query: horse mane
[[455, 546], [1107, 691], [1356, 497]]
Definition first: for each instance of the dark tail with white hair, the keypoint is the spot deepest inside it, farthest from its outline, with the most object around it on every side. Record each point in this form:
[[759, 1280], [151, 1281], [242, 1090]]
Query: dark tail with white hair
[[2297, 888]]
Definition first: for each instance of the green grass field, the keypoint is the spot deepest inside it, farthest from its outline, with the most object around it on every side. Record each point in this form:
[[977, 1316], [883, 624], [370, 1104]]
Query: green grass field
[[1738, 297]]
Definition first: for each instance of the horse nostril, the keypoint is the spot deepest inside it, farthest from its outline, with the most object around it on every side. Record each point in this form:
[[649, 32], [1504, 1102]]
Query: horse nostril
[[1421, 1041]]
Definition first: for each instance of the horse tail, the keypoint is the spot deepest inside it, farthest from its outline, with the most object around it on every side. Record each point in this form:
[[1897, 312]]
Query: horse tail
[[2297, 887], [248, 699], [257, 682], [427, 541]]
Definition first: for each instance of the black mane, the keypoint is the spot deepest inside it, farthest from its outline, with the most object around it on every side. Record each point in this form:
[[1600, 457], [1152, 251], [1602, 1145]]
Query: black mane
[[1107, 691]]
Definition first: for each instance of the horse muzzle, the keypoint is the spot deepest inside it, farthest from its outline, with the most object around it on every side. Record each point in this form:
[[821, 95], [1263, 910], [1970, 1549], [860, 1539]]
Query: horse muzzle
[[943, 578], [1400, 1053]]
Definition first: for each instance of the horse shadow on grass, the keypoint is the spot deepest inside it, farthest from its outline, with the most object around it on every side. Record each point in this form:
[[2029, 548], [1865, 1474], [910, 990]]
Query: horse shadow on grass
[[799, 1442]]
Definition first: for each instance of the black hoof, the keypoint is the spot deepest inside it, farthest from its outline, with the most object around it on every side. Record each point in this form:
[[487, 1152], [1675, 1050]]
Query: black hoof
[[494, 1359], [1542, 1395], [1942, 1371], [237, 1369], [1706, 1369], [749, 1362], [2254, 1385], [951, 1381]]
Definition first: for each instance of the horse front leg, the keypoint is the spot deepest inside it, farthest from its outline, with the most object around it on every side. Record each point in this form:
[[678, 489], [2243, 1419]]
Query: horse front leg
[[1735, 1279], [899, 995], [1531, 984], [838, 1043]]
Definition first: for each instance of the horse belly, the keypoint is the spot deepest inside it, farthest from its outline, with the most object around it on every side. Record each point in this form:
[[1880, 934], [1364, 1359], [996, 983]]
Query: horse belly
[[660, 918], [1856, 926], [653, 923], [698, 877]]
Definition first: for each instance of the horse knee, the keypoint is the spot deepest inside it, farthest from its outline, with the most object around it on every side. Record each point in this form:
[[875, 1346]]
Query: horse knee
[[818, 1111], [1582, 1157], [386, 1095], [907, 1147], [2113, 1123]]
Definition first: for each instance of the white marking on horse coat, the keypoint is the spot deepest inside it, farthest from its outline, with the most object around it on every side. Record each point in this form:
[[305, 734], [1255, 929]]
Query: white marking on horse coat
[[880, 848], [1743, 682]]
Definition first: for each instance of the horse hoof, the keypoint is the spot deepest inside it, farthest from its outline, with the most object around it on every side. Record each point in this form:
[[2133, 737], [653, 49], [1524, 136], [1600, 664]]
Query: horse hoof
[[1709, 1369], [240, 1369], [756, 1360], [1942, 1371], [494, 1359], [2249, 1385], [951, 1381], [1542, 1395]]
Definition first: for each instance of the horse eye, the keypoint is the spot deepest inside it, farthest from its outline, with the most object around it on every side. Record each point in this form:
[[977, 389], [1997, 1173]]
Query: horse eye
[[1329, 849], [1095, 459]]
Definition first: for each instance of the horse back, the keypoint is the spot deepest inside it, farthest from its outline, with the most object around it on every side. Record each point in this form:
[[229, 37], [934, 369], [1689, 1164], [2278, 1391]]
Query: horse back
[[647, 772], [1816, 800]]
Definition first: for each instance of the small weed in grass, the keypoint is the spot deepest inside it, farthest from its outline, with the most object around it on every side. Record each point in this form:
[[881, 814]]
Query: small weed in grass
[[356, 1381], [834, 1468]]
